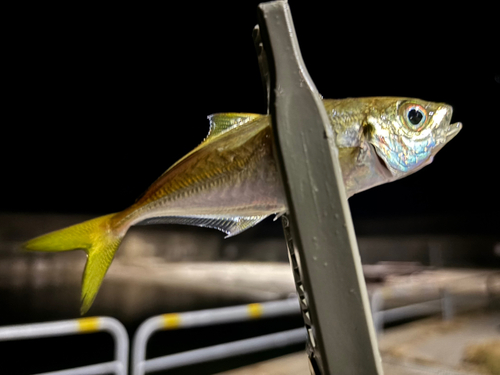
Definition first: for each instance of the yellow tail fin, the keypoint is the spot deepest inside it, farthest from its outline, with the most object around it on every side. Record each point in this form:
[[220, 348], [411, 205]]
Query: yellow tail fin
[[99, 241]]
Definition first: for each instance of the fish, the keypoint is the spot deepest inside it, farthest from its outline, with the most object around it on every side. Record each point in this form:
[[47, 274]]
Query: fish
[[231, 182]]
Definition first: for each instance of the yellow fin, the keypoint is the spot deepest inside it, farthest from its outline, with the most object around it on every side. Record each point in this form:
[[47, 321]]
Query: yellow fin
[[223, 122], [99, 241]]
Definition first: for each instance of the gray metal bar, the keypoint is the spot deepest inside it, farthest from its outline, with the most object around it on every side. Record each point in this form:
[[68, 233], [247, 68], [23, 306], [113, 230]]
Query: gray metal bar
[[241, 347], [323, 251], [114, 367], [377, 305], [410, 311], [447, 307], [202, 318]]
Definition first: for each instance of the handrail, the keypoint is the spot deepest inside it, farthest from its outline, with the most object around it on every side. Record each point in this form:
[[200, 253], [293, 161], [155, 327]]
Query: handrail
[[198, 319], [207, 317], [210, 353], [77, 326]]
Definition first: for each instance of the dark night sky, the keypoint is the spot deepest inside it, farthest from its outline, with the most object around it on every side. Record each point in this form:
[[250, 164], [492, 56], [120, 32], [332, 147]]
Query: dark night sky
[[102, 101]]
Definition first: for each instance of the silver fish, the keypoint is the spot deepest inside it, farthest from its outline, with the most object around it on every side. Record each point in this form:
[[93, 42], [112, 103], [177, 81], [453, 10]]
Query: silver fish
[[230, 181]]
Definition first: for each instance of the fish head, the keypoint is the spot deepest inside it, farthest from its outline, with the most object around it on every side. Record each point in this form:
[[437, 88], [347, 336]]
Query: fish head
[[407, 133]]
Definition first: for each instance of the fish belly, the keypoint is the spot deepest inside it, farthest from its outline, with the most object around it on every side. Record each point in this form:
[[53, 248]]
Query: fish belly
[[230, 202]]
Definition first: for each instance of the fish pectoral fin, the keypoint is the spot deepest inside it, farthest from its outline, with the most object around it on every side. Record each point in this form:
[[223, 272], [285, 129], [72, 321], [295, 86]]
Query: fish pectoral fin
[[231, 225]]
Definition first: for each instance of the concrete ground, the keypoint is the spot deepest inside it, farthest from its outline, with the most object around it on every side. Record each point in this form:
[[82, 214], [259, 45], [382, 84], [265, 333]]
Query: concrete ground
[[296, 364], [430, 346]]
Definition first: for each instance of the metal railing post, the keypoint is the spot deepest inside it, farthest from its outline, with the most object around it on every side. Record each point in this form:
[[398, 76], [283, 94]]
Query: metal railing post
[[319, 231]]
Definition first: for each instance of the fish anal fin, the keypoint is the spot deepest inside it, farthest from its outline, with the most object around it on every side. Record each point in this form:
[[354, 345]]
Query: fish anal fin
[[231, 225], [241, 224]]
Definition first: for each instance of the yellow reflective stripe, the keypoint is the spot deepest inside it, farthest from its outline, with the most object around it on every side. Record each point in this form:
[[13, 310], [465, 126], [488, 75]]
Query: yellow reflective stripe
[[88, 324], [255, 310], [171, 321]]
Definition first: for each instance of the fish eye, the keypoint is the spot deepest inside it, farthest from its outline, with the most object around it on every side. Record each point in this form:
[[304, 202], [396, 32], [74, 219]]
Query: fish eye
[[414, 116]]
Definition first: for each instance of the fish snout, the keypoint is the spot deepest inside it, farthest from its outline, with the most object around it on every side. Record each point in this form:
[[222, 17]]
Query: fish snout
[[453, 130], [448, 112], [444, 113]]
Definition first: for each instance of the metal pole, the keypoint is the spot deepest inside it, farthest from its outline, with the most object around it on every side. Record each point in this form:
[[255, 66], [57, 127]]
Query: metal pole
[[320, 237]]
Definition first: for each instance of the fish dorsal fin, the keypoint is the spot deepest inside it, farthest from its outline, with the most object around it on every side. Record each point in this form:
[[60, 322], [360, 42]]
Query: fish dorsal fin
[[223, 122], [220, 123], [231, 225]]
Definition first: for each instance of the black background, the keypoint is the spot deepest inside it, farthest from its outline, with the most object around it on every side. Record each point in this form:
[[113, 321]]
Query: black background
[[101, 100]]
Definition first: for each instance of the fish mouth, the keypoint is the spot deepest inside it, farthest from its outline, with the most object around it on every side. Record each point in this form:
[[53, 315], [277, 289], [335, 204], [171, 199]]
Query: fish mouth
[[453, 130], [386, 169]]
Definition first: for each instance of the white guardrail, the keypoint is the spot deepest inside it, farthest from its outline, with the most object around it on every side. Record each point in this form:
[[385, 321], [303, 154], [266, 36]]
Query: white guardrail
[[140, 365], [77, 326], [210, 317]]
